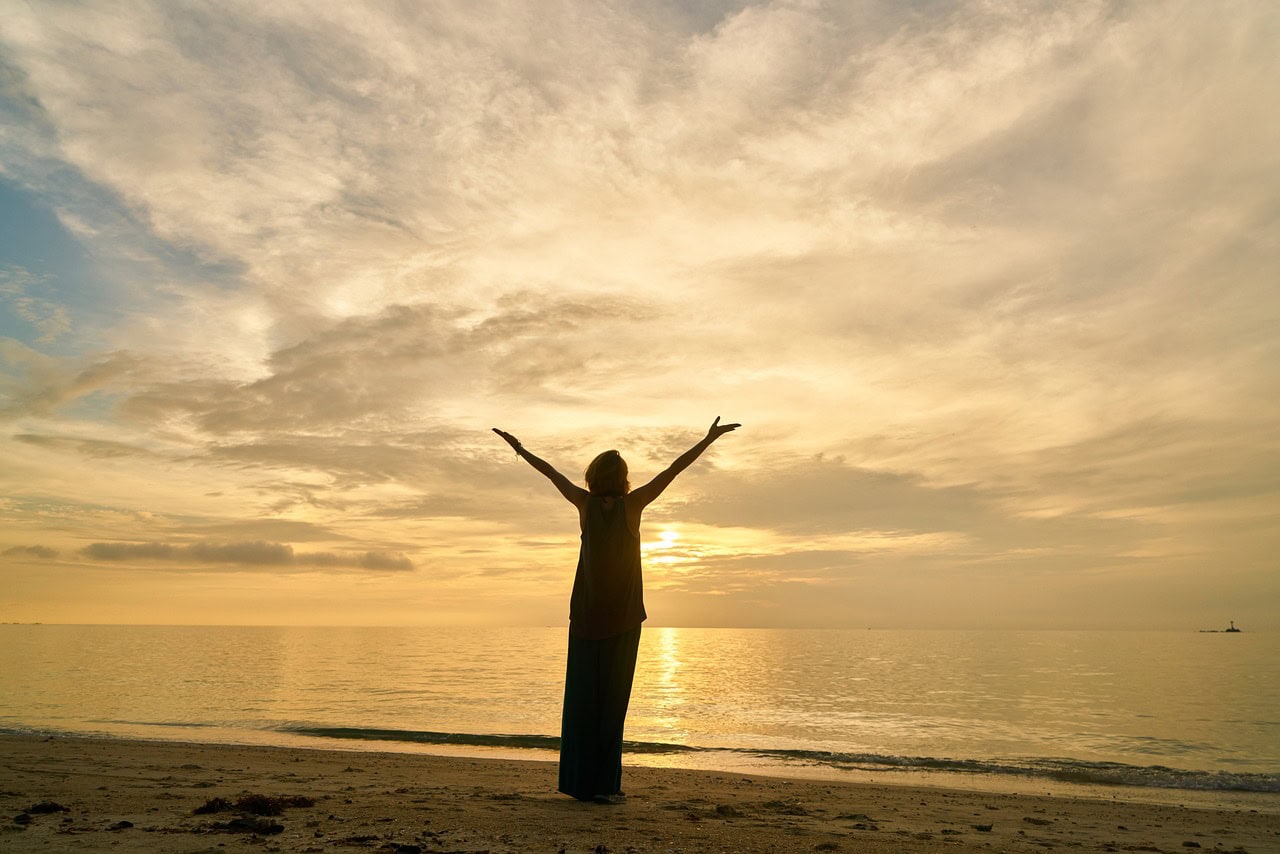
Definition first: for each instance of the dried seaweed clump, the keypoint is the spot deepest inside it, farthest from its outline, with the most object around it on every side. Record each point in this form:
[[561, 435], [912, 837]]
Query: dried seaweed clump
[[255, 804]]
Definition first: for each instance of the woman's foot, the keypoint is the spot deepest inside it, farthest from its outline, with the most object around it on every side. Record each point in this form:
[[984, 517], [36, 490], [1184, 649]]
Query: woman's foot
[[615, 798]]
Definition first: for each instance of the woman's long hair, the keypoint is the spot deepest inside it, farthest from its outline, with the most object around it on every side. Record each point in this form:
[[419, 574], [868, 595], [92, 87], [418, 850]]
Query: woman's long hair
[[607, 475]]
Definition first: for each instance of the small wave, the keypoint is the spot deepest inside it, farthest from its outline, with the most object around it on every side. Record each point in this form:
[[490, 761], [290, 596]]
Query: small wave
[[518, 742], [179, 724], [524, 742], [1070, 771], [1062, 770]]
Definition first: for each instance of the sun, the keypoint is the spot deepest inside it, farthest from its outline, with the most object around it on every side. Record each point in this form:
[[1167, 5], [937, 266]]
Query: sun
[[663, 549]]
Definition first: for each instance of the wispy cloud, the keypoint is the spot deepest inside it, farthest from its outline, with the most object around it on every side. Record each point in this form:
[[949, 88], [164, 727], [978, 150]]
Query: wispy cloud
[[38, 384], [49, 319]]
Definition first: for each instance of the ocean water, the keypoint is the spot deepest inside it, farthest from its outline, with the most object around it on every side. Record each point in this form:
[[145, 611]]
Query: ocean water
[[1138, 712]]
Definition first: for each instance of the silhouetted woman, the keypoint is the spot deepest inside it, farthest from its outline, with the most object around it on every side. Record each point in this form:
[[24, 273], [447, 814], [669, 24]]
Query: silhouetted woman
[[605, 613]]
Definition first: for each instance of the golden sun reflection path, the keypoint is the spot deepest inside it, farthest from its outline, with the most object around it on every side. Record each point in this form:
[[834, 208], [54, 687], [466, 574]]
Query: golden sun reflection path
[[658, 672]]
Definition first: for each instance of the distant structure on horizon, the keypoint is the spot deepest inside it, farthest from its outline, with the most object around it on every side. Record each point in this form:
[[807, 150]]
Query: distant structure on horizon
[[1221, 631]]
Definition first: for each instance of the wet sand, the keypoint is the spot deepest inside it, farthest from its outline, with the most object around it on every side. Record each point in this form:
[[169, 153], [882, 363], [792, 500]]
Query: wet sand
[[71, 794]]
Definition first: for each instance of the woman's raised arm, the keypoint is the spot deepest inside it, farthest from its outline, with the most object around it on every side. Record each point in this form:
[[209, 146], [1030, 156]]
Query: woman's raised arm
[[575, 495], [651, 490]]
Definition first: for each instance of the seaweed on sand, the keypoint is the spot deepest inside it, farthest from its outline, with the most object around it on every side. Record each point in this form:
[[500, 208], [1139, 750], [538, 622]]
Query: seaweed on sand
[[255, 804]]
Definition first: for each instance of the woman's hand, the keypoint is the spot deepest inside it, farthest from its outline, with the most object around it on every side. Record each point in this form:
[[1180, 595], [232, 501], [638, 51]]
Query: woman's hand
[[511, 440], [717, 429]]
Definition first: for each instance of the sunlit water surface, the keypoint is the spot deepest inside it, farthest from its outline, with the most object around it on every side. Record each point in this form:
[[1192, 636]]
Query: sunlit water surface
[[1151, 713]]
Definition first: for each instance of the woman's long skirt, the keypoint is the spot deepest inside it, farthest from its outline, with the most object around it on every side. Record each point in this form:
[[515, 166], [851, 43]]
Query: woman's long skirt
[[597, 688]]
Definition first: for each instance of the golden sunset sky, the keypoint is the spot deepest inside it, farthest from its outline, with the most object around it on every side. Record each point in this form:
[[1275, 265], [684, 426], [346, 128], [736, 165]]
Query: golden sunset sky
[[993, 287]]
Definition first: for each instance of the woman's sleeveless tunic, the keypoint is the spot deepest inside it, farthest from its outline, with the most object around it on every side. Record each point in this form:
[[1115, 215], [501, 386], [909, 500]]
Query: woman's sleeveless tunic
[[608, 593]]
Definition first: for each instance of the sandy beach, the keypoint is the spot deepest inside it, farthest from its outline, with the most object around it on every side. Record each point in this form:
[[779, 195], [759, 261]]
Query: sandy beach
[[73, 794]]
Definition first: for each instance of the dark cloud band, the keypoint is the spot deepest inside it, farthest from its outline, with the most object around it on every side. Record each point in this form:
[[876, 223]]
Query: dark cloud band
[[257, 553]]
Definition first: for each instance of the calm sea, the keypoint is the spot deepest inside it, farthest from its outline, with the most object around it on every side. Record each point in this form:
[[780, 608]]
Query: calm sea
[[1144, 712]]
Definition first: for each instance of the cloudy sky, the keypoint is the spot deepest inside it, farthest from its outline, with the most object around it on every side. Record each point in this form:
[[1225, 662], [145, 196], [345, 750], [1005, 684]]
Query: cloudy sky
[[994, 289]]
